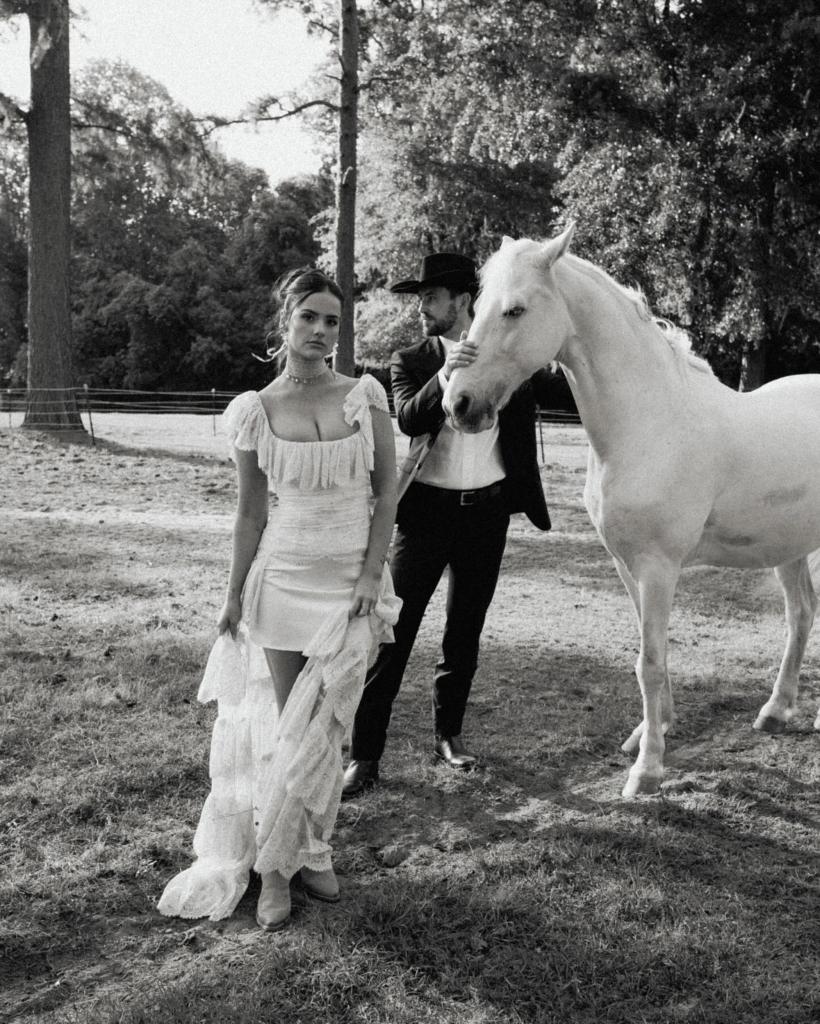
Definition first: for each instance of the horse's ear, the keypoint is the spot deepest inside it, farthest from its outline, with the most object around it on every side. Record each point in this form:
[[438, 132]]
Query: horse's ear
[[556, 247], [506, 240]]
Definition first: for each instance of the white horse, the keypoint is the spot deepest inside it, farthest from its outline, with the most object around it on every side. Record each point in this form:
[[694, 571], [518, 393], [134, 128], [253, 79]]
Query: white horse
[[682, 470]]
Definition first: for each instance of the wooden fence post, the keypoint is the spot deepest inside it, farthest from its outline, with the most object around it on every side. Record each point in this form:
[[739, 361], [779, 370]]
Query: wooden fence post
[[88, 410]]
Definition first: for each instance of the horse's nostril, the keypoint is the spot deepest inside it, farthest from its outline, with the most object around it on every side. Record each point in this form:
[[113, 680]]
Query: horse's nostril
[[461, 405]]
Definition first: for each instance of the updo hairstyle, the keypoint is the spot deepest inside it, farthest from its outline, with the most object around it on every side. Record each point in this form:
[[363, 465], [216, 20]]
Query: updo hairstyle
[[287, 293], [295, 286]]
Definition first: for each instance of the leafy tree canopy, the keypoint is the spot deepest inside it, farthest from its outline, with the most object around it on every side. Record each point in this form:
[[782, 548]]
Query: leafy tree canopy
[[174, 246], [683, 139]]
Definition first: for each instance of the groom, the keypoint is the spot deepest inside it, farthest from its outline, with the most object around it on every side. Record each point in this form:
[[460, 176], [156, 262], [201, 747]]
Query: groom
[[454, 514]]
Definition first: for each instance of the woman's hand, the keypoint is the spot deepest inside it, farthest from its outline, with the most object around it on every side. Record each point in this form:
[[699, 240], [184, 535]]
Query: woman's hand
[[229, 616], [365, 595]]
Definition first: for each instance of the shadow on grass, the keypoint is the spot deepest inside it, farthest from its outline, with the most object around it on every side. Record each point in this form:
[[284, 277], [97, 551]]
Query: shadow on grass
[[618, 924], [113, 556], [139, 451], [621, 911], [517, 944], [580, 559]]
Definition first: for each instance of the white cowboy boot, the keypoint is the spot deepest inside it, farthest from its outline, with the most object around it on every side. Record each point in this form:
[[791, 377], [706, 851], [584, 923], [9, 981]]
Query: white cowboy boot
[[321, 885], [273, 908]]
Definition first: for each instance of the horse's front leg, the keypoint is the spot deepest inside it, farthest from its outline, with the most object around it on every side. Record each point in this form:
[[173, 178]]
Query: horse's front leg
[[801, 604], [656, 581], [630, 745]]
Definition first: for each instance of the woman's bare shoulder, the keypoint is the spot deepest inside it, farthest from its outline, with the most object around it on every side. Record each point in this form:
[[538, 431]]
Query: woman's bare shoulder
[[270, 389]]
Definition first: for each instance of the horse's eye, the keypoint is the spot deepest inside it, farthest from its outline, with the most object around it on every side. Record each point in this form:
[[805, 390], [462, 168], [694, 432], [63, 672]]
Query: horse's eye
[[514, 311]]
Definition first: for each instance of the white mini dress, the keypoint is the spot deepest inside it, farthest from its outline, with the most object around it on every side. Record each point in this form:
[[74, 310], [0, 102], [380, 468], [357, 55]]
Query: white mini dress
[[311, 552]]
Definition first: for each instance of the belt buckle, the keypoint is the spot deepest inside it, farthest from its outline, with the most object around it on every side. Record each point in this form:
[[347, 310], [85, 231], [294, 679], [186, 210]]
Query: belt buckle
[[470, 499]]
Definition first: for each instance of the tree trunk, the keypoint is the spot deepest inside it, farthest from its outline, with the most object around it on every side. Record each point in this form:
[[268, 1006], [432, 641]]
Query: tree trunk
[[346, 187], [51, 404], [753, 366]]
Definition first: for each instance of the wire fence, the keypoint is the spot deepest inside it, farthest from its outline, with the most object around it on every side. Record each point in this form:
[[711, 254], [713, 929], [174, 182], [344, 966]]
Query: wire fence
[[87, 400], [179, 421], [133, 416]]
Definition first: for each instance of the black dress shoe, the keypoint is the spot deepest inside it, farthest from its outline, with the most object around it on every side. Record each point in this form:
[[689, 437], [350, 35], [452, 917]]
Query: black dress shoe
[[451, 750], [359, 777]]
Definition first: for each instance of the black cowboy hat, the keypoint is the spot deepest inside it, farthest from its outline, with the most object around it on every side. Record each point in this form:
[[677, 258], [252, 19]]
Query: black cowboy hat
[[442, 268]]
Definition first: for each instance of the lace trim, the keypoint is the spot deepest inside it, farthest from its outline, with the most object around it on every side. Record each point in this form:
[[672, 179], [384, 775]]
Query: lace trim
[[275, 787], [312, 464]]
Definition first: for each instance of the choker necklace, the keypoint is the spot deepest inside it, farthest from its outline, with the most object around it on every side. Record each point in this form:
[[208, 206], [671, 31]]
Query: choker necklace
[[308, 380]]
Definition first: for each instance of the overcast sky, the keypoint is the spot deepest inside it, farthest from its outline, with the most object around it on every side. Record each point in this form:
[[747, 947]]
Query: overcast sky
[[213, 56]]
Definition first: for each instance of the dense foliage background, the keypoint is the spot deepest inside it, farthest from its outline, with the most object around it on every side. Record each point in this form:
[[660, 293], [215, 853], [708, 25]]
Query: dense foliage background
[[683, 138]]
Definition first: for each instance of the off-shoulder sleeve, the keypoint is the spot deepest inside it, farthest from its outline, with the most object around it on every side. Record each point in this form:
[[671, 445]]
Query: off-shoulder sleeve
[[366, 393], [240, 421]]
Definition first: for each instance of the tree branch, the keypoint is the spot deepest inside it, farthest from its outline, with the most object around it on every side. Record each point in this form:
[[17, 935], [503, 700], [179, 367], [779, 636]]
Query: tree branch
[[313, 19], [10, 112], [114, 129], [211, 124], [373, 80], [322, 26]]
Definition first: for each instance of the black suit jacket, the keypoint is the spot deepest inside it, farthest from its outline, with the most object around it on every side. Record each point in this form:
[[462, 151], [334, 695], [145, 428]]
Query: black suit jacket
[[417, 398]]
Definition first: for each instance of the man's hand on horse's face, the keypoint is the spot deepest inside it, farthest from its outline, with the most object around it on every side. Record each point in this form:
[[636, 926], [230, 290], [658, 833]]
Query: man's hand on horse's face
[[461, 354]]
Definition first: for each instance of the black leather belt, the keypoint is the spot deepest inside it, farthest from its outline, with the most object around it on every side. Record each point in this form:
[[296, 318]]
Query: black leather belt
[[464, 498]]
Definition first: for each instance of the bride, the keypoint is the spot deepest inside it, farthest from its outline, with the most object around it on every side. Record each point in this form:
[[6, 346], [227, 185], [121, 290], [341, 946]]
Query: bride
[[309, 600]]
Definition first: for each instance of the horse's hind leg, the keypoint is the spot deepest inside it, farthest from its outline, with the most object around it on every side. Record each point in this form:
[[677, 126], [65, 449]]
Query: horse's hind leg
[[630, 745], [801, 604]]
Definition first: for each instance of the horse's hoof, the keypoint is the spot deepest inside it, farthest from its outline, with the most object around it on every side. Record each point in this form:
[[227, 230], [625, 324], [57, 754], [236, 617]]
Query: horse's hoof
[[769, 724], [638, 783]]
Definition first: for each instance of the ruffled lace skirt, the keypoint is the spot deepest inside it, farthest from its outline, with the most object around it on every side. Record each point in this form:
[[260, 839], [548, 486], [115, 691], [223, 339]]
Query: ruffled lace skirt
[[276, 784]]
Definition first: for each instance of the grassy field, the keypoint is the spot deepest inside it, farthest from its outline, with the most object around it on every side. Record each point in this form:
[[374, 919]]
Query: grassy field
[[526, 893]]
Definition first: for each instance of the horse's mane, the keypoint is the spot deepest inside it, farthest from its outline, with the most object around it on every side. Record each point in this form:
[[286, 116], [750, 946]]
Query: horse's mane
[[677, 339]]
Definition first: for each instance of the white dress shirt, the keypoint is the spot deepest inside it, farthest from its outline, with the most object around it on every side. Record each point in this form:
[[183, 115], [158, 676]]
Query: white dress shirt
[[462, 462]]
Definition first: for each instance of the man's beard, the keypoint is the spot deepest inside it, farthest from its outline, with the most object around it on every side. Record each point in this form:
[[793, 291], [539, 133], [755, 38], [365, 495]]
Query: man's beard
[[434, 327]]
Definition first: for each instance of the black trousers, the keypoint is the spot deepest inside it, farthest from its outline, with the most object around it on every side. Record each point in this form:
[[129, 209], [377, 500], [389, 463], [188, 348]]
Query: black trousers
[[436, 529]]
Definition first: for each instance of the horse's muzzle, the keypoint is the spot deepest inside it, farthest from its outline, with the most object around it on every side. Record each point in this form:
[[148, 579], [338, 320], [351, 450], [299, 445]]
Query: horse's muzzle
[[467, 414]]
